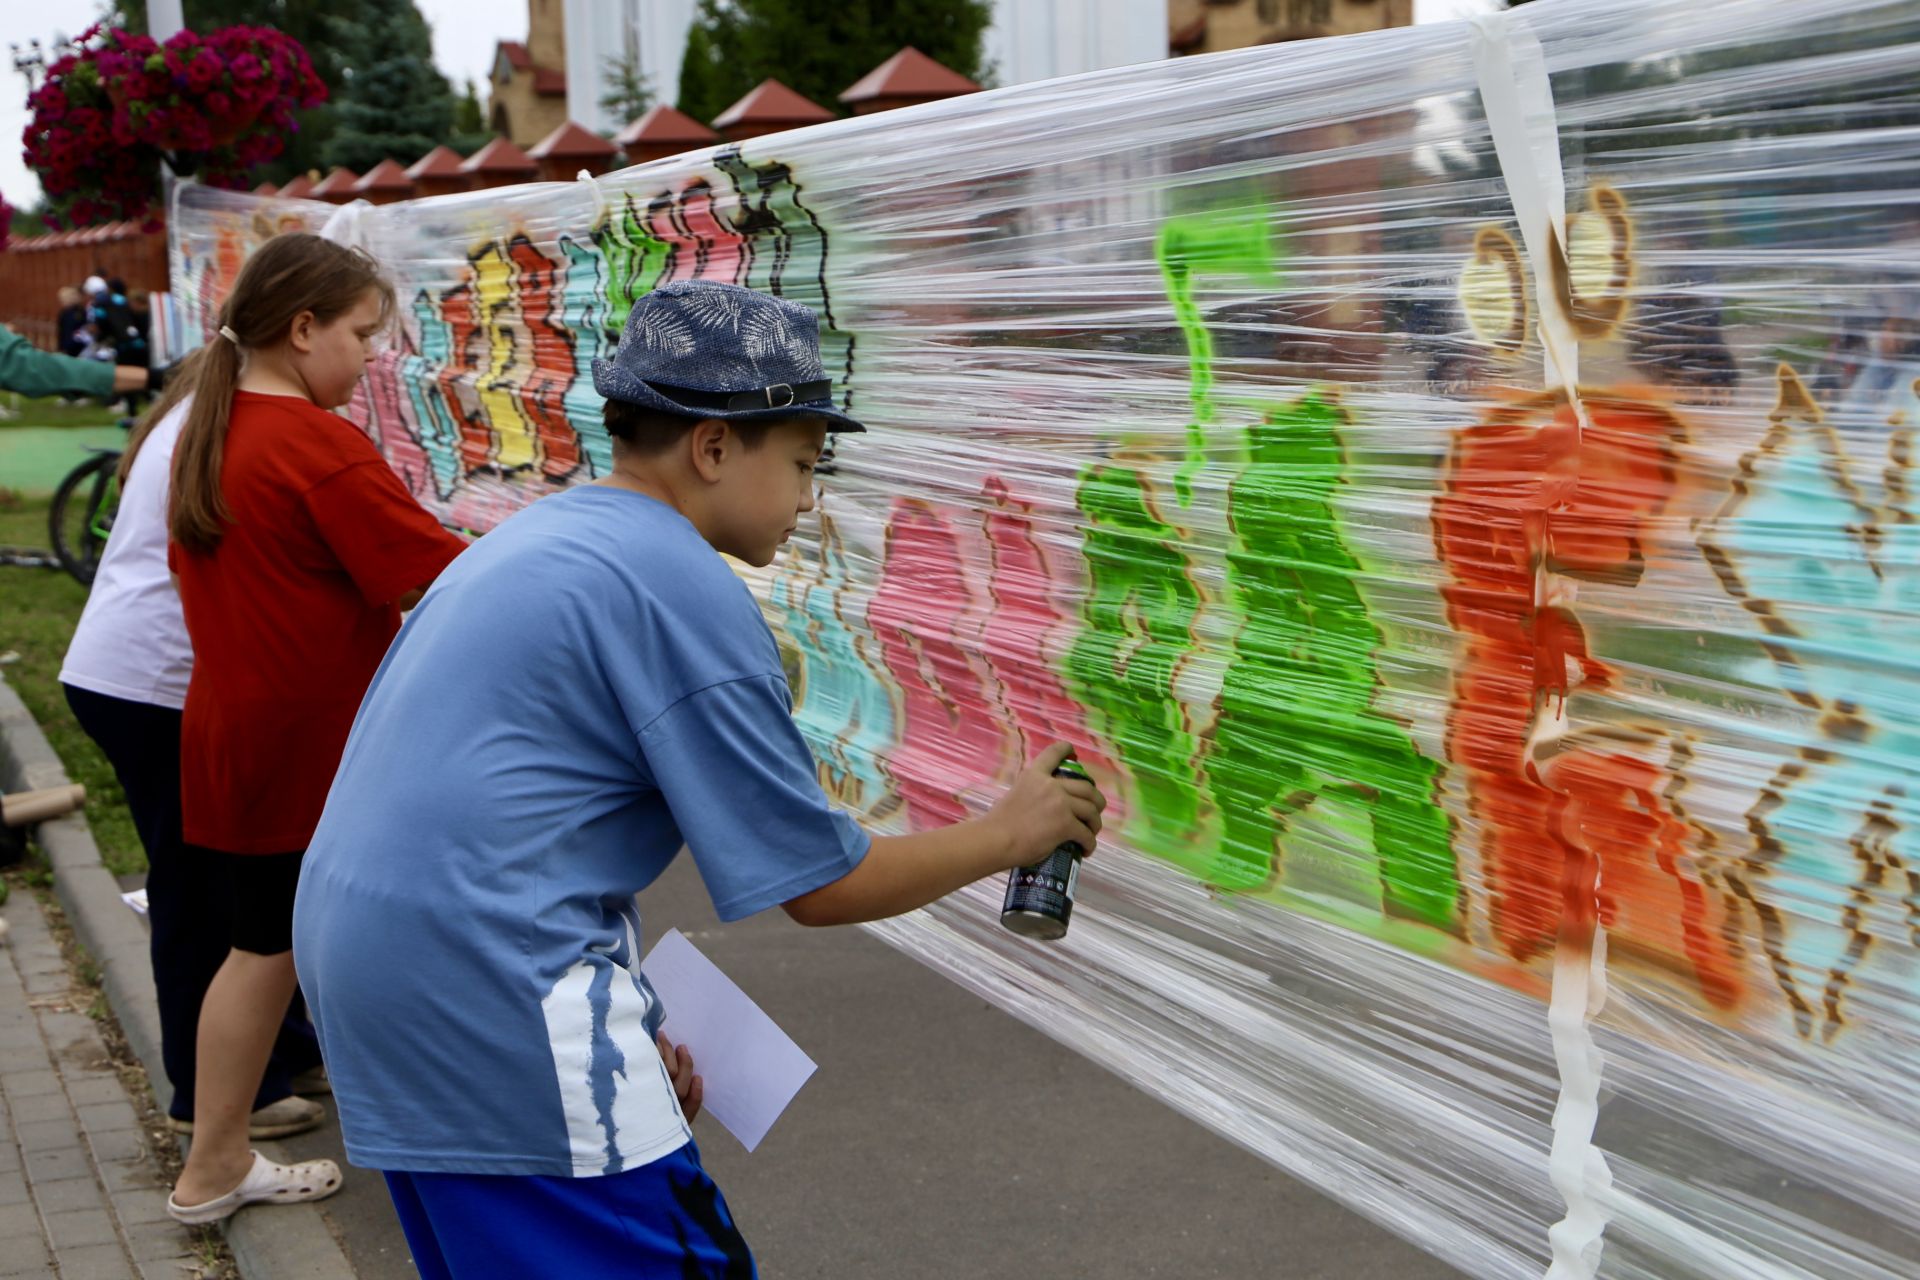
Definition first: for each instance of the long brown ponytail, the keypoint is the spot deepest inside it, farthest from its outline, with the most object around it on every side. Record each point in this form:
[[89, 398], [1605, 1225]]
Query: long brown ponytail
[[287, 275]]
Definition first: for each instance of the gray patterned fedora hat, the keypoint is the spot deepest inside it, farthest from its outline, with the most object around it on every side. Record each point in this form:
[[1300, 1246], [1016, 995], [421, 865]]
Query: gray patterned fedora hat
[[709, 350]]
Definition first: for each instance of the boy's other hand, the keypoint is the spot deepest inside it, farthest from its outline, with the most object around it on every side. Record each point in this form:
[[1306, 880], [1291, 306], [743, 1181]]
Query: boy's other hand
[[1040, 812], [686, 1085]]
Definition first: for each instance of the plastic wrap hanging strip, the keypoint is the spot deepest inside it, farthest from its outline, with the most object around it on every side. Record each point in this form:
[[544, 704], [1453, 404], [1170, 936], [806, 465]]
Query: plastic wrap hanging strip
[[1455, 486]]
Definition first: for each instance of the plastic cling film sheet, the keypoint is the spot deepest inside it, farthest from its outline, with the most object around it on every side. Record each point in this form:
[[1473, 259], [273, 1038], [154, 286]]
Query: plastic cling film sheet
[[1456, 489]]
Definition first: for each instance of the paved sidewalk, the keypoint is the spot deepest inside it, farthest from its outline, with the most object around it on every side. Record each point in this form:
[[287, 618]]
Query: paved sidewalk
[[80, 1196], [291, 1242]]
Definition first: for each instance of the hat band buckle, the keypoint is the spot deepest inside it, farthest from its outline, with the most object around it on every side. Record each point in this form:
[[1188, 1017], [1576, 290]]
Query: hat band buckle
[[781, 395]]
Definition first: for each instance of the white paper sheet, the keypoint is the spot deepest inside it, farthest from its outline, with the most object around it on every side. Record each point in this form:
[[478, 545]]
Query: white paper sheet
[[750, 1068], [137, 900]]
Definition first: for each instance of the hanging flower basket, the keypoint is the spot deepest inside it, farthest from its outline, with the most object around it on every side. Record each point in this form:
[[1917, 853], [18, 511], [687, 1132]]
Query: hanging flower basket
[[179, 133], [215, 106]]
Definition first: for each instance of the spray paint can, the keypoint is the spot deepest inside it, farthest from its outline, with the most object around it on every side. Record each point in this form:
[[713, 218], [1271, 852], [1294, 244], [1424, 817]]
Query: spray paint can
[[1040, 897]]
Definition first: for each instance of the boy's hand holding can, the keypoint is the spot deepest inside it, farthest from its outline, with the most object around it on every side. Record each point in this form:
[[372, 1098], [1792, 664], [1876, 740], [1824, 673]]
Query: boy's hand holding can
[[1052, 813]]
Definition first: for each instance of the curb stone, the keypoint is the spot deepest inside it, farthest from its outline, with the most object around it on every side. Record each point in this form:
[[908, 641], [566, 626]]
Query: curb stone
[[292, 1242]]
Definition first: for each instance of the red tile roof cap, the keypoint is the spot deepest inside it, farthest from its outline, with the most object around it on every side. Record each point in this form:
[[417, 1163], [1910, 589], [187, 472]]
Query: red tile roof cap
[[664, 126], [517, 56], [549, 83], [338, 183], [909, 74], [571, 140], [385, 176], [499, 156], [772, 103], [441, 162], [299, 188]]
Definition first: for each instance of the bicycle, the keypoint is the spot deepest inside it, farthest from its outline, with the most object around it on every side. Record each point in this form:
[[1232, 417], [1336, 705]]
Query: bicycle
[[83, 508]]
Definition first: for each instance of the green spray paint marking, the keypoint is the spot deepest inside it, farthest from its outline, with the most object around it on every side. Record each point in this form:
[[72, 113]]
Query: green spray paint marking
[[1138, 622], [635, 257], [1223, 244], [1297, 720]]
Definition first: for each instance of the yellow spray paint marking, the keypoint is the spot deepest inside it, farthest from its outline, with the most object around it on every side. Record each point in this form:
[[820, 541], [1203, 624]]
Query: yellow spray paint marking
[[1590, 255], [1493, 291], [1593, 277], [515, 444], [1598, 272]]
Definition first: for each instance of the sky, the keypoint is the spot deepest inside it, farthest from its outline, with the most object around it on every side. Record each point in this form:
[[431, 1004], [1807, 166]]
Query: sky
[[464, 32]]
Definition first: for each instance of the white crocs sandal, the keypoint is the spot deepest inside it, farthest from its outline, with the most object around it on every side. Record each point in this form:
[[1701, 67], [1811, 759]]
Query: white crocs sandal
[[265, 1183]]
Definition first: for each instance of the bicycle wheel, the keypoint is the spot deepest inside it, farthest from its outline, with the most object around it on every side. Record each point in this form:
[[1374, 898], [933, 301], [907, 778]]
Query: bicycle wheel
[[82, 514]]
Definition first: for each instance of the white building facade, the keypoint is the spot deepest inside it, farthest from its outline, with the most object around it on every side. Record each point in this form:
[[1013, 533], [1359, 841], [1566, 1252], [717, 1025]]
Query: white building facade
[[1028, 40], [1040, 39], [598, 31]]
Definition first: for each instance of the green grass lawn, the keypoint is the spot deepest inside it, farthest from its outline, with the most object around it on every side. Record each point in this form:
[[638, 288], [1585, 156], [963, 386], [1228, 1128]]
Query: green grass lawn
[[42, 440], [38, 611], [52, 411]]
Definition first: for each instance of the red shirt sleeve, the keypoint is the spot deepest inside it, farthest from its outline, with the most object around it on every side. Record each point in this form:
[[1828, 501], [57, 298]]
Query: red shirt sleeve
[[385, 541]]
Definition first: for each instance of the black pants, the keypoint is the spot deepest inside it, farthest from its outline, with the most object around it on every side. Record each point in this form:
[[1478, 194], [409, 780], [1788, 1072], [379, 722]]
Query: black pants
[[188, 900]]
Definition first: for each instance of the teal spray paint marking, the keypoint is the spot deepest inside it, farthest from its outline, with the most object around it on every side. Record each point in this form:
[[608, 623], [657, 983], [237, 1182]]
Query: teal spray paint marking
[[439, 436], [584, 311], [848, 714]]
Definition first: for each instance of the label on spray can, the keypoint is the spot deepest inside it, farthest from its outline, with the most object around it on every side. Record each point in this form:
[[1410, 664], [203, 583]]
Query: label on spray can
[[1039, 901]]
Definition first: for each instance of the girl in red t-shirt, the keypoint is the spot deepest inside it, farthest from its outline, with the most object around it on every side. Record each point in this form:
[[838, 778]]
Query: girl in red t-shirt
[[294, 548]]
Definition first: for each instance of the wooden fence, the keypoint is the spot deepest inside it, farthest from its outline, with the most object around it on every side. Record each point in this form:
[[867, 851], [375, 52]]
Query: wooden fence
[[33, 268]]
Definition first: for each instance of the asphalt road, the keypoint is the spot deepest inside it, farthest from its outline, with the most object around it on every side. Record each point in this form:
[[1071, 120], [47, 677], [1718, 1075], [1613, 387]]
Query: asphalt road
[[942, 1138]]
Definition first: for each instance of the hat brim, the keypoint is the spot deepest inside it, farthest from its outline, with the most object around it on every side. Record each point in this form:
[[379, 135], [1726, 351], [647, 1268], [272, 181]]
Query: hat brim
[[615, 383]]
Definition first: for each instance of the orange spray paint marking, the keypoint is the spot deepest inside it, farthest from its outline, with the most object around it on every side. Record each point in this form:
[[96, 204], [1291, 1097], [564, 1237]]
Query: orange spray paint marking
[[1580, 827], [463, 365], [1608, 813], [543, 389], [229, 255]]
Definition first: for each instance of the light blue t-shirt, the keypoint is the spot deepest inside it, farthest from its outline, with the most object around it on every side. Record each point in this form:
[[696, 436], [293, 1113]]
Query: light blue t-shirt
[[583, 691]]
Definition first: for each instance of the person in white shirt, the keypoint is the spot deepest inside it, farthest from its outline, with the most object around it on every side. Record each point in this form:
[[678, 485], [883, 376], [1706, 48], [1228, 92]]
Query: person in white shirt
[[125, 677]]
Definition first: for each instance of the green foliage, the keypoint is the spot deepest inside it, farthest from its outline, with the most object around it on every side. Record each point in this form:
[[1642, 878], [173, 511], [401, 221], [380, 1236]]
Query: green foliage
[[819, 47], [394, 102], [468, 115], [43, 606], [30, 222], [470, 132], [625, 92], [700, 75]]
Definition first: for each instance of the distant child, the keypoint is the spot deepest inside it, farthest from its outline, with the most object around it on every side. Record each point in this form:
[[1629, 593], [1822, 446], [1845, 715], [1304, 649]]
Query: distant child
[[294, 547], [587, 690], [73, 315]]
